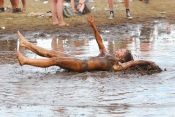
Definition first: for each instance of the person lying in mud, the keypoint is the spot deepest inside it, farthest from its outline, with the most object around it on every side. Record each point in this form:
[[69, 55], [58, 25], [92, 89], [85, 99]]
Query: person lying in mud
[[120, 60]]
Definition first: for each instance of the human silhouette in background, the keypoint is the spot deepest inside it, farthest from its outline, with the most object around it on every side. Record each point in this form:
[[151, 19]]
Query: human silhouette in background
[[111, 9], [57, 13]]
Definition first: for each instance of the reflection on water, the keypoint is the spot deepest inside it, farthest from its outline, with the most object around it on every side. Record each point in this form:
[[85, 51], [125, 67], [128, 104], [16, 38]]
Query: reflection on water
[[6, 51], [51, 92]]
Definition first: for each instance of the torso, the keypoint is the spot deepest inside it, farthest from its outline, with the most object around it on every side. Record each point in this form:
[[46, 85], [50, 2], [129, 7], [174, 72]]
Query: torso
[[104, 63]]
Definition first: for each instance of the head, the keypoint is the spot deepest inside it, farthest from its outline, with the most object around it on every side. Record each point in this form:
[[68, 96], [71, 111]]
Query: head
[[123, 55]]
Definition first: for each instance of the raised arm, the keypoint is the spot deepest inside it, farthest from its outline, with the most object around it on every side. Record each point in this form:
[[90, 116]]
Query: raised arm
[[98, 38], [122, 66]]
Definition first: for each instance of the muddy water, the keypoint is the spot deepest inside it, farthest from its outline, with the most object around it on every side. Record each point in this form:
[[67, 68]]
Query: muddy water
[[54, 92]]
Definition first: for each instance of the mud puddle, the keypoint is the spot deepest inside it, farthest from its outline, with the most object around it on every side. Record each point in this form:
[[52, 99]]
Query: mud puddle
[[54, 92]]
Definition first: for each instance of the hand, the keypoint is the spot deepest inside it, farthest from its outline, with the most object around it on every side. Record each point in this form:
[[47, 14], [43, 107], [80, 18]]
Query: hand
[[153, 65], [90, 21], [79, 6], [74, 10]]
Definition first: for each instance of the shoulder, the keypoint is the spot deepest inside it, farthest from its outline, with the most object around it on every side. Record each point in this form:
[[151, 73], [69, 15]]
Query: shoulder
[[102, 54]]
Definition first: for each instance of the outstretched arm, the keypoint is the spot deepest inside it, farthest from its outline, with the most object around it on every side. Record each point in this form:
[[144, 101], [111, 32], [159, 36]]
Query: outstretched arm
[[122, 66], [101, 46]]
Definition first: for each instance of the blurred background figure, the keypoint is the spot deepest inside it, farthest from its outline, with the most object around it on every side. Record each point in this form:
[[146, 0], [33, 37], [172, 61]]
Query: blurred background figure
[[1, 6], [23, 5], [146, 1], [15, 6], [111, 7], [57, 13], [80, 6]]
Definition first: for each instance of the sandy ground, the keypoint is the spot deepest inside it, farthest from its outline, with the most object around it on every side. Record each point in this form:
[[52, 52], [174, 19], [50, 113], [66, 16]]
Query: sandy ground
[[141, 12]]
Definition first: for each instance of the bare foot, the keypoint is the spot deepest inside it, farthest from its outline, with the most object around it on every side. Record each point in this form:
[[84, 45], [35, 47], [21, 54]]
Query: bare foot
[[63, 24], [22, 39], [55, 20], [55, 23], [23, 10], [20, 57]]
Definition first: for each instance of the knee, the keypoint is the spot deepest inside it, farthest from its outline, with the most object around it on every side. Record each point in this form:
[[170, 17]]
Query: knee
[[52, 53], [54, 59]]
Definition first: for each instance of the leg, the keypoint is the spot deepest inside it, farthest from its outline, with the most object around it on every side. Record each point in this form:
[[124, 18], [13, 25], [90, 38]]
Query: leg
[[59, 7], [1, 6], [39, 50], [34, 62], [128, 15], [65, 63], [54, 12], [111, 4], [81, 6], [80, 10], [15, 6], [126, 4], [23, 5], [1, 3]]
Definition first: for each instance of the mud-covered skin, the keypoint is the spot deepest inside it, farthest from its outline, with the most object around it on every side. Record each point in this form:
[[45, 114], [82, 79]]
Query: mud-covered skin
[[103, 62], [98, 63]]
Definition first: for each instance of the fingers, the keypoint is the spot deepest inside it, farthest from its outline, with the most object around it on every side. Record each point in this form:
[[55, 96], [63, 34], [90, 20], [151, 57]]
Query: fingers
[[90, 18], [19, 33], [154, 66]]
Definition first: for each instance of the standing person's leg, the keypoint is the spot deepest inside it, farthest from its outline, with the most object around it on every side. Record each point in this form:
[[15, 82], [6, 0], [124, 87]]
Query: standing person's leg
[[80, 6], [54, 12], [15, 6], [80, 10], [59, 7], [39, 50], [1, 3], [128, 14], [57, 13], [126, 4], [111, 5], [1, 6], [23, 5]]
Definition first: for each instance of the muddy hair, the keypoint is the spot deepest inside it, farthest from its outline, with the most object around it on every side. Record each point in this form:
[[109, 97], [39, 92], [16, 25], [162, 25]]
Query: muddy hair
[[128, 57]]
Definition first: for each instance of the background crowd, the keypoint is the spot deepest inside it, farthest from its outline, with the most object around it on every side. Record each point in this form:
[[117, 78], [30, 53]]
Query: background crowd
[[65, 8], [15, 6]]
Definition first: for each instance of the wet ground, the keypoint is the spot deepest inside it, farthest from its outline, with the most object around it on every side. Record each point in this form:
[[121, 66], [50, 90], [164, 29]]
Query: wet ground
[[54, 92]]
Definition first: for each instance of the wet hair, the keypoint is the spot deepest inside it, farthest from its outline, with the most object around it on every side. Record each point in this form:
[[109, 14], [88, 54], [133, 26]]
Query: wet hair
[[128, 57]]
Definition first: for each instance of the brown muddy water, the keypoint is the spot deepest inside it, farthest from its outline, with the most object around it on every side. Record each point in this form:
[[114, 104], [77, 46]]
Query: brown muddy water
[[53, 92]]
